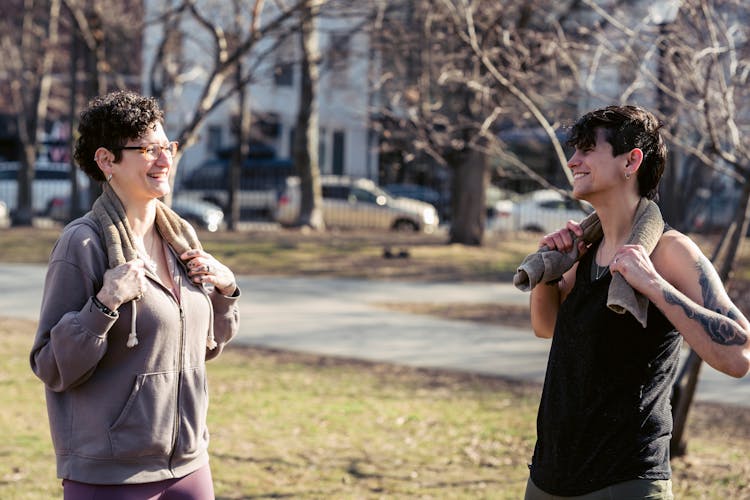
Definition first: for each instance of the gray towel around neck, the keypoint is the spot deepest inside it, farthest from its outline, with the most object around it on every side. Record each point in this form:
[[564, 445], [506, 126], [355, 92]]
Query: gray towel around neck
[[109, 212], [547, 266]]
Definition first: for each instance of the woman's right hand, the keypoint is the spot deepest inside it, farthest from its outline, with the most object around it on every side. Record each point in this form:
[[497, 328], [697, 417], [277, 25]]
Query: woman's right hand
[[562, 240], [123, 284]]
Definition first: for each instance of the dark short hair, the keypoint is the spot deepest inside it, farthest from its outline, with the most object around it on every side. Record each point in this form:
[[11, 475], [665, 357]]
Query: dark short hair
[[110, 121], [625, 128]]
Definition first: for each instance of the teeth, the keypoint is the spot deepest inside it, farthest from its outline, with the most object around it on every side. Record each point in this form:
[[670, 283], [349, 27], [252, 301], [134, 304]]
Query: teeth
[[578, 176]]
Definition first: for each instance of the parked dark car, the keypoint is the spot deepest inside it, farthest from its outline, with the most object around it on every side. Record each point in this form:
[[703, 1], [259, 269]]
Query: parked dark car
[[261, 179]]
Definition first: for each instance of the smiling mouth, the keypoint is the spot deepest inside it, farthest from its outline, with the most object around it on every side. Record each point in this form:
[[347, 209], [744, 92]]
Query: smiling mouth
[[579, 175]]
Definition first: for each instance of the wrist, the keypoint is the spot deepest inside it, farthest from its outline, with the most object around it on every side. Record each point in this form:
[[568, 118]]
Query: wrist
[[228, 291], [112, 313], [108, 301]]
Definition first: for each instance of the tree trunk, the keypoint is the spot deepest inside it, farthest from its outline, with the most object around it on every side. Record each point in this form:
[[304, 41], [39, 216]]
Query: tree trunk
[[75, 189], [33, 112], [470, 181], [306, 136], [240, 152], [683, 390]]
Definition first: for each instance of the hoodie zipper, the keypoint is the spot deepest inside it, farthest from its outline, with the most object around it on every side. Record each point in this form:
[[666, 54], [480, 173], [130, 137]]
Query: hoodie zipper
[[178, 386]]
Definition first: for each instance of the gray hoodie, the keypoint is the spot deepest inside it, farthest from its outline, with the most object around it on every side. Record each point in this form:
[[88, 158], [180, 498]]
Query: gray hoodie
[[119, 414]]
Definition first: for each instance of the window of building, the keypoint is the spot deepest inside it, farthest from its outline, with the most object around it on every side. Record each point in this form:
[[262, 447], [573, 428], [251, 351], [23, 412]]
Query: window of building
[[338, 58], [337, 160], [214, 138], [283, 72], [322, 149]]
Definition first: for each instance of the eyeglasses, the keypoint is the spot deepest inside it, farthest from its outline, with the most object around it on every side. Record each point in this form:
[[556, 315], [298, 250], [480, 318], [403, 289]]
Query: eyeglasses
[[153, 151]]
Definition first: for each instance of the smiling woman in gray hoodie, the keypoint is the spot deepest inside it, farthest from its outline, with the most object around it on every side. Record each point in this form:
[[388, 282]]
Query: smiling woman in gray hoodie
[[122, 344]]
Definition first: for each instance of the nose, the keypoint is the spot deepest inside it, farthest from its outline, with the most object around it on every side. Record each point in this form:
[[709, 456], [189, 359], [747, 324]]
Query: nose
[[574, 160], [164, 154]]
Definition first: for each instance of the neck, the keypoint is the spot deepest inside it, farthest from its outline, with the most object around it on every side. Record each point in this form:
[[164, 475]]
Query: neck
[[141, 219], [616, 216], [141, 214]]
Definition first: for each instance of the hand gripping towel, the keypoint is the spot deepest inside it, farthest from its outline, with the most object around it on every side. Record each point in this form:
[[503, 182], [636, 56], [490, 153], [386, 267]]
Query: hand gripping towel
[[547, 266]]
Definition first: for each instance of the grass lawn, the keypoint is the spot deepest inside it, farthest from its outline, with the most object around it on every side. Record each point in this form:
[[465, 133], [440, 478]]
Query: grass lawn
[[292, 425]]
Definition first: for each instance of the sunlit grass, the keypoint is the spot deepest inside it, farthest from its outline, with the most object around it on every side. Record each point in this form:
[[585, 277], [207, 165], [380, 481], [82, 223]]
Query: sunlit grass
[[295, 425]]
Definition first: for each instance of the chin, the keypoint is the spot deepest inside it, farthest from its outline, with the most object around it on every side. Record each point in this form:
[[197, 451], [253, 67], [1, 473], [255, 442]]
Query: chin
[[159, 193], [163, 188], [578, 193]]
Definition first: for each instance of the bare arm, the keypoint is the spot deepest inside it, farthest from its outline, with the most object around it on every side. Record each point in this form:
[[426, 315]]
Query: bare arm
[[546, 299], [685, 286], [545, 303]]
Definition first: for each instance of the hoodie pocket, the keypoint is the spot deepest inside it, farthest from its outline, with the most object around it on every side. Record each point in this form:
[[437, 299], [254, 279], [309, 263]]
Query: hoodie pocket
[[145, 427]]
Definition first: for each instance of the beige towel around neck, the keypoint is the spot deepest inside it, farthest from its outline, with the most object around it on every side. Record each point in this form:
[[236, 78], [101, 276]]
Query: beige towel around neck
[[109, 212], [548, 266]]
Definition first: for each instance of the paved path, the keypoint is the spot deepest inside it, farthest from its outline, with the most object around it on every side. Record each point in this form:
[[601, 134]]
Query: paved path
[[338, 317]]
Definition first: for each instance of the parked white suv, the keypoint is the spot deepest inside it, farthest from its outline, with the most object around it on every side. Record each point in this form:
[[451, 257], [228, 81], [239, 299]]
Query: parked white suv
[[51, 181], [359, 203]]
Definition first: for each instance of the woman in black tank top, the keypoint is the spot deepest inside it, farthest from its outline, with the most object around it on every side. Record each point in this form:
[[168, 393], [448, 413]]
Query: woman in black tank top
[[604, 421]]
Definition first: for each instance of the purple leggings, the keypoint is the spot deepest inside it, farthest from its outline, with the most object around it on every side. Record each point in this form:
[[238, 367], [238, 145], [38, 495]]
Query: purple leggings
[[197, 485]]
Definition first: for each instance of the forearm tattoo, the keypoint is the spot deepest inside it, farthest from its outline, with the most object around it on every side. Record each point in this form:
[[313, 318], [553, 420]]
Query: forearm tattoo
[[718, 326]]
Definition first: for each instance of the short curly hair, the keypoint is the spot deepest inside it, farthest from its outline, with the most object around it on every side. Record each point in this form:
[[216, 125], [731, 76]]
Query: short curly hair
[[110, 121], [625, 128]]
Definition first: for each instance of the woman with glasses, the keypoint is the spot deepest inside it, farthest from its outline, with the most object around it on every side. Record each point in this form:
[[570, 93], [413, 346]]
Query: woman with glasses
[[132, 308]]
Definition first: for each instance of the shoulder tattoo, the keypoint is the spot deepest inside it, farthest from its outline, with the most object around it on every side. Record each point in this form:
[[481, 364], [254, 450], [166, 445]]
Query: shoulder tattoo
[[718, 326]]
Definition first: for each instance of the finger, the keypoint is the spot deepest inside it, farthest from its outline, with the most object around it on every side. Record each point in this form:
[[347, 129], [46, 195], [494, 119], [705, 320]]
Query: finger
[[563, 241], [192, 254], [205, 278], [575, 227], [567, 238]]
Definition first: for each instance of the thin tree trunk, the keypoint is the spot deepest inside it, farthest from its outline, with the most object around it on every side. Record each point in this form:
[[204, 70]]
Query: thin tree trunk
[[75, 191], [240, 152], [306, 136]]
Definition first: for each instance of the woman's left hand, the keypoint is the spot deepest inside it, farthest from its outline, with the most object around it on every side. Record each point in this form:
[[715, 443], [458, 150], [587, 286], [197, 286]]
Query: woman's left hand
[[634, 264], [204, 268]]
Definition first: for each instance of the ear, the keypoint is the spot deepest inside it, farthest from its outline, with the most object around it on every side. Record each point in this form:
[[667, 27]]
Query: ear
[[634, 160], [104, 158]]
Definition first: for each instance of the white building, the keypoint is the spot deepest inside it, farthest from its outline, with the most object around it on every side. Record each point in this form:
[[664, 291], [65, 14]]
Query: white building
[[347, 144]]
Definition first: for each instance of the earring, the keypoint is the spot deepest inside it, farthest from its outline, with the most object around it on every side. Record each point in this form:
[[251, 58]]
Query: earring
[[109, 177], [627, 176]]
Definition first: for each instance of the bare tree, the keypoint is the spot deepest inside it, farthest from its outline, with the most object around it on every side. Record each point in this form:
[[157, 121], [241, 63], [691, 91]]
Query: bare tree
[[57, 54], [207, 27], [306, 132], [707, 59], [28, 62], [476, 68], [100, 32]]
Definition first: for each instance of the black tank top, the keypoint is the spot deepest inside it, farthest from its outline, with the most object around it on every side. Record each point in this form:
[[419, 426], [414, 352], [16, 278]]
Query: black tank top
[[605, 413]]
